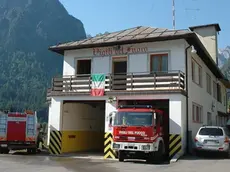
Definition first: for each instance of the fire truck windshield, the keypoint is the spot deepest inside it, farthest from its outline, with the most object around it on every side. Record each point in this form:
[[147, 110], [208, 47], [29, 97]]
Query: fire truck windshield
[[133, 119]]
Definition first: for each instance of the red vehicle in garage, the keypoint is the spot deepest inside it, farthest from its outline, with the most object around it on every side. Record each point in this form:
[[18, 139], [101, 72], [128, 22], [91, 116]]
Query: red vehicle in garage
[[18, 131], [138, 133]]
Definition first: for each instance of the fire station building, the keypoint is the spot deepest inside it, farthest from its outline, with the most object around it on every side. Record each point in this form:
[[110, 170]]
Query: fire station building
[[173, 70]]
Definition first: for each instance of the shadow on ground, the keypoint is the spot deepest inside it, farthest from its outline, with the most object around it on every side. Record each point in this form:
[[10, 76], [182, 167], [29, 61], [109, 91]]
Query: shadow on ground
[[24, 152], [203, 156], [144, 162]]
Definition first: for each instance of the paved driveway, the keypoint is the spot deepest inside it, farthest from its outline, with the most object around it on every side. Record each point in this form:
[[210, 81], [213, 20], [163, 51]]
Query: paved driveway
[[45, 163]]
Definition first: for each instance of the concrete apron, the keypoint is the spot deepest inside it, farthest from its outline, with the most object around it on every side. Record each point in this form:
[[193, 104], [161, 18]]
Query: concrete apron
[[99, 156], [84, 155]]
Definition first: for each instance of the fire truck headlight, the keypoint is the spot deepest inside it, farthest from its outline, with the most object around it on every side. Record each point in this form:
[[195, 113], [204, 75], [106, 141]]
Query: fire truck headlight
[[116, 146], [146, 147]]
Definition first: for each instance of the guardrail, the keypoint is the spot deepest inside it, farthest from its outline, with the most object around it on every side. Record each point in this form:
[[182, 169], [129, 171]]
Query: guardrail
[[170, 80]]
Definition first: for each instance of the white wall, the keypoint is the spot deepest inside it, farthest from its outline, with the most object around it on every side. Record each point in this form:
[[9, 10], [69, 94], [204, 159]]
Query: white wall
[[82, 117], [141, 59], [68, 64], [101, 65], [54, 119], [208, 37], [200, 95], [136, 62]]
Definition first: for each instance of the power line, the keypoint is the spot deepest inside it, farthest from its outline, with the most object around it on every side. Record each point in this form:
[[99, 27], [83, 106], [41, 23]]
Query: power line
[[174, 13]]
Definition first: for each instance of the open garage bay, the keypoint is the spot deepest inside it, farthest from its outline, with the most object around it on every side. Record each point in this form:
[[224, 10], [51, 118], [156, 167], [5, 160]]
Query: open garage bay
[[83, 126]]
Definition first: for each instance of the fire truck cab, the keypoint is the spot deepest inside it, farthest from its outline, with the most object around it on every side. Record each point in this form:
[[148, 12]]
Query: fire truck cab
[[138, 133]]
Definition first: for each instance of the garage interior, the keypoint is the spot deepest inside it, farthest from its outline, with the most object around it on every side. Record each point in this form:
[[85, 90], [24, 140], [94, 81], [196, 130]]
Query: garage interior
[[157, 104], [83, 125]]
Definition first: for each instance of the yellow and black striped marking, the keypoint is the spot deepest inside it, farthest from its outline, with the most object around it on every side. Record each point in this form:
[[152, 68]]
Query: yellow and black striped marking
[[108, 151], [175, 145], [55, 142]]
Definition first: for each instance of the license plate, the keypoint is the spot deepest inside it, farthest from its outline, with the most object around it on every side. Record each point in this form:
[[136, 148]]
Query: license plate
[[212, 142], [130, 144], [4, 145]]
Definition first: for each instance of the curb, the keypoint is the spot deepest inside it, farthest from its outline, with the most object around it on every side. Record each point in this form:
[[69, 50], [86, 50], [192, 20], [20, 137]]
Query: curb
[[82, 157], [175, 159]]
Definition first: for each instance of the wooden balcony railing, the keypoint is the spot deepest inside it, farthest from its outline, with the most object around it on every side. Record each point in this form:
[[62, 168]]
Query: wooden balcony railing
[[48, 96], [171, 80]]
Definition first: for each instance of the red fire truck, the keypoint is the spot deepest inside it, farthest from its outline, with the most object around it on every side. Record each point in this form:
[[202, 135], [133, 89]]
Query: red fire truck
[[138, 133], [18, 131]]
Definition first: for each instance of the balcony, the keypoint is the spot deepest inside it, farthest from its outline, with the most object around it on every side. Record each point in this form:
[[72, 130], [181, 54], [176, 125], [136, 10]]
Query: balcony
[[129, 83]]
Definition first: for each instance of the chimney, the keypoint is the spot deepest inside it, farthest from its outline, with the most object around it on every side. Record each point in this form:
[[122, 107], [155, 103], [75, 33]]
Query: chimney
[[208, 36]]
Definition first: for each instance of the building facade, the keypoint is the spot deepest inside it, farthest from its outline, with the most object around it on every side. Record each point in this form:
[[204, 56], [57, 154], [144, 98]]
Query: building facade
[[174, 70]]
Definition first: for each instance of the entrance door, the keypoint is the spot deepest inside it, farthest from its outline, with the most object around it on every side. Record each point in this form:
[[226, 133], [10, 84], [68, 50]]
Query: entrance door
[[119, 73]]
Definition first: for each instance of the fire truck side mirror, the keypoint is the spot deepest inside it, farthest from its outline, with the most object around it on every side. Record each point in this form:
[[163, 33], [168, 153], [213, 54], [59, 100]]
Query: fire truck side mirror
[[154, 118], [111, 118]]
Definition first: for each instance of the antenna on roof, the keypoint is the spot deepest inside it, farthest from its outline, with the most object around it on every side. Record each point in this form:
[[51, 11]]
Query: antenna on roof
[[173, 14]]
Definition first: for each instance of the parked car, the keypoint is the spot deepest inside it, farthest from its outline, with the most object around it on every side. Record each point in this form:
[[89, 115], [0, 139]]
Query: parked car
[[213, 139]]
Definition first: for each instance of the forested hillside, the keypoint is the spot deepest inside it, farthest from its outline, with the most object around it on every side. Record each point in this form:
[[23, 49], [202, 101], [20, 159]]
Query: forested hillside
[[27, 29]]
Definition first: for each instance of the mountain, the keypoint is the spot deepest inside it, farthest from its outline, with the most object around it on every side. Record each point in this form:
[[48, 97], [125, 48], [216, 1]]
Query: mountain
[[27, 29], [224, 55], [224, 61]]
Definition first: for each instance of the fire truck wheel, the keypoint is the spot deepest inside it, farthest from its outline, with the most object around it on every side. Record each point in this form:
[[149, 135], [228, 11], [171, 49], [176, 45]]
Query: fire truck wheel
[[160, 152], [34, 150], [121, 156], [5, 151]]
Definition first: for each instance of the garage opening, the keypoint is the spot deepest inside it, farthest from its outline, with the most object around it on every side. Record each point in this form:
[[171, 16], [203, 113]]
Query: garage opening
[[157, 104], [83, 125]]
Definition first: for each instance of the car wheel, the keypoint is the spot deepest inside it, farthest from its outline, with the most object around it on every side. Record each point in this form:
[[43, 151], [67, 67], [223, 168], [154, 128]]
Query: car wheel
[[227, 154]]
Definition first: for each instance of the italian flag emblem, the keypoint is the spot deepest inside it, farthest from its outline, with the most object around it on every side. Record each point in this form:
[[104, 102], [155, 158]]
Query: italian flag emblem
[[98, 84]]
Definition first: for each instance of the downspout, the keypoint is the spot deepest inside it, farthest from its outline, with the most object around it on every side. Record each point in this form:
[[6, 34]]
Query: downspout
[[186, 78]]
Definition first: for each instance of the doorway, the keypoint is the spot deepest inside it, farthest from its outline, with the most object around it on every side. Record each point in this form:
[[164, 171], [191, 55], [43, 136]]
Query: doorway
[[119, 73]]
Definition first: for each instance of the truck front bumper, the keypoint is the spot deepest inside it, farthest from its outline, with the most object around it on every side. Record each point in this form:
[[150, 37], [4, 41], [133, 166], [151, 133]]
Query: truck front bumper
[[17, 145], [129, 146]]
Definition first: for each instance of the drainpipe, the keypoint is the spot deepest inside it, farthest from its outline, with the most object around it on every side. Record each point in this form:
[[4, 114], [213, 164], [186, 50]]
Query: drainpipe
[[186, 76], [227, 93]]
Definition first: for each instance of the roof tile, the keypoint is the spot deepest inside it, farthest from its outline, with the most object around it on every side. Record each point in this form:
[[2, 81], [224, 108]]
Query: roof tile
[[140, 32]]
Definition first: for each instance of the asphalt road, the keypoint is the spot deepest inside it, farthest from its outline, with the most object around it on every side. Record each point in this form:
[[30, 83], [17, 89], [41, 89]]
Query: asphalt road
[[45, 163]]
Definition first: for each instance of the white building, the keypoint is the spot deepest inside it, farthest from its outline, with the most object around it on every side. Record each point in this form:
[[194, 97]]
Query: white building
[[175, 69]]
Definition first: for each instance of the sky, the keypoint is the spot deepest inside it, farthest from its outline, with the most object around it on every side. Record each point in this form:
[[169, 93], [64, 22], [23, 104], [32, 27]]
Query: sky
[[99, 16]]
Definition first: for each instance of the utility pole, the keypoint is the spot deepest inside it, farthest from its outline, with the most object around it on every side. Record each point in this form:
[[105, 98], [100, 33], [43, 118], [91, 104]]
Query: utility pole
[[173, 14]]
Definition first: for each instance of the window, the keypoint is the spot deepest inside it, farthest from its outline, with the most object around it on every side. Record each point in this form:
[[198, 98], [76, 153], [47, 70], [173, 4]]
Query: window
[[196, 73], [211, 132], [208, 83], [219, 96], [197, 115], [133, 118], [209, 118], [226, 131], [159, 62], [214, 87], [83, 67]]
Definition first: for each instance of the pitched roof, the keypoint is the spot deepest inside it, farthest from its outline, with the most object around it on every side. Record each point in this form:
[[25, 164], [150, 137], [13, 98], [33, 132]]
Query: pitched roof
[[132, 35]]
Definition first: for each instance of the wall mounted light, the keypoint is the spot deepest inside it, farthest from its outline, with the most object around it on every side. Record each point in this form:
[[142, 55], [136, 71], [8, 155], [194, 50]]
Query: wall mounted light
[[193, 51]]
